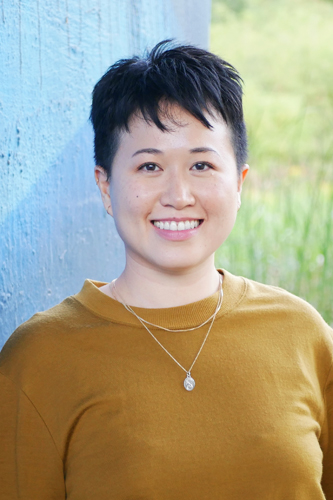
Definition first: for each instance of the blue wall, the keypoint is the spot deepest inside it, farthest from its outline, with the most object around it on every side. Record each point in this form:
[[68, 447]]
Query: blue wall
[[53, 229]]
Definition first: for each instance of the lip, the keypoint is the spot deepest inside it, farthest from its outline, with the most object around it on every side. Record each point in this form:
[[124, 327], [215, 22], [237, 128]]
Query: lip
[[176, 219], [185, 234]]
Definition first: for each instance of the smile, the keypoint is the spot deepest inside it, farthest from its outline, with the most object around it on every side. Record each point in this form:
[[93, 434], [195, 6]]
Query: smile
[[177, 226]]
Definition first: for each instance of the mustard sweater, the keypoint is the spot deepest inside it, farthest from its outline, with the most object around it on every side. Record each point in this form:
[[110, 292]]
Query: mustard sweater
[[93, 409]]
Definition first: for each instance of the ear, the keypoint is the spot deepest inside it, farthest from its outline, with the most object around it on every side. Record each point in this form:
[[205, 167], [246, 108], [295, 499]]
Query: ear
[[104, 187], [241, 179]]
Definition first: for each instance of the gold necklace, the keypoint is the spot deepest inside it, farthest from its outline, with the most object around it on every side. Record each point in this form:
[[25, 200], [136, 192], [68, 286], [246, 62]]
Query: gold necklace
[[115, 293], [189, 382]]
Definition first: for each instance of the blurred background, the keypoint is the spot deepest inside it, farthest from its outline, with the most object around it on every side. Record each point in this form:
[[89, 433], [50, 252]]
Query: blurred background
[[283, 50]]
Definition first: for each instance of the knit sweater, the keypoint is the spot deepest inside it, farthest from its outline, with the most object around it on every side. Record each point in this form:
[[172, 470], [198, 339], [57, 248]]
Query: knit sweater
[[92, 408]]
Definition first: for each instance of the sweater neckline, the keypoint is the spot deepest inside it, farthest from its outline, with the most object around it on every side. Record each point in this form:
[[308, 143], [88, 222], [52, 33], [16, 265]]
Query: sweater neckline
[[185, 316]]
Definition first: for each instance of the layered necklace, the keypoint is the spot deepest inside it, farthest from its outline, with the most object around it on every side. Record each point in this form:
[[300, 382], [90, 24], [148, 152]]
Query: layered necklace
[[189, 382]]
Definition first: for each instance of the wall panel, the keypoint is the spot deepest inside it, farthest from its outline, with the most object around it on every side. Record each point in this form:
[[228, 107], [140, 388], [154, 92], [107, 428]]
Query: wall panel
[[53, 230]]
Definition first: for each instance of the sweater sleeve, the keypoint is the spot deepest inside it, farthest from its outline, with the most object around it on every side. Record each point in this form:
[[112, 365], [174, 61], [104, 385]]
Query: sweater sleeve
[[30, 465], [327, 479]]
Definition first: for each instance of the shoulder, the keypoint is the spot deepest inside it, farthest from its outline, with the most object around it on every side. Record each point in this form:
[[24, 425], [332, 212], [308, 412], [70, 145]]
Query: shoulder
[[276, 298], [285, 322], [40, 325], [301, 318], [46, 340], [278, 308], [257, 295]]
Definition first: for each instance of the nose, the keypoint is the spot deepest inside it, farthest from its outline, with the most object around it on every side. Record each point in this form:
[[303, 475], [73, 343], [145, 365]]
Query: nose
[[177, 192]]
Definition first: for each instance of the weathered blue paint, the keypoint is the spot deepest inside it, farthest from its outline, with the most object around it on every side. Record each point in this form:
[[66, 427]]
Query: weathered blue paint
[[53, 229]]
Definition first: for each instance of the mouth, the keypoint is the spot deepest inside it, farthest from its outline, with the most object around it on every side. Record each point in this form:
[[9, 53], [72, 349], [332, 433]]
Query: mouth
[[172, 225]]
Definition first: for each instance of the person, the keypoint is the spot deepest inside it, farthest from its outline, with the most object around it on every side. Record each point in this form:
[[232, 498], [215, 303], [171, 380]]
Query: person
[[177, 379]]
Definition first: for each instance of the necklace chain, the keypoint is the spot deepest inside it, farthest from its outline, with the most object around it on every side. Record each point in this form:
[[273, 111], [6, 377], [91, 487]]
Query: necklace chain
[[129, 308], [144, 324]]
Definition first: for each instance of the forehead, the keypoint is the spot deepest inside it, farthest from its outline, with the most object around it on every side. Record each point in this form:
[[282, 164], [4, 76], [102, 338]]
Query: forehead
[[181, 129]]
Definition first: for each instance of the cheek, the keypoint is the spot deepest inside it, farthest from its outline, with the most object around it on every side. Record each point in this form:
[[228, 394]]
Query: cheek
[[131, 205], [221, 199]]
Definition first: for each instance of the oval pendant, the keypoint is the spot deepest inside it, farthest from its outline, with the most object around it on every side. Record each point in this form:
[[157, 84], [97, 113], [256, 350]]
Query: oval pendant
[[189, 382]]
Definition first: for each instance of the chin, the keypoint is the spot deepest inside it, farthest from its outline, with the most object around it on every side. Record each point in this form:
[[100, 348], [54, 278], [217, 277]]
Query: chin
[[179, 265]]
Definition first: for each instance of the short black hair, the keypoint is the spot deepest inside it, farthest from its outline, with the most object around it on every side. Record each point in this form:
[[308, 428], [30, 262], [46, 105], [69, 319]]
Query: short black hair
[[188, 76]]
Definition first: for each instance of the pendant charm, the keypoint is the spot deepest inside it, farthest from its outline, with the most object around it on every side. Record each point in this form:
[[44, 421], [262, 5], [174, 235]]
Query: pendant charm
[[189, 382]]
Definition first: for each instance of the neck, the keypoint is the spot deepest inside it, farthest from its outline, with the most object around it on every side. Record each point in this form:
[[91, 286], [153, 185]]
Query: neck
[[142, 287]]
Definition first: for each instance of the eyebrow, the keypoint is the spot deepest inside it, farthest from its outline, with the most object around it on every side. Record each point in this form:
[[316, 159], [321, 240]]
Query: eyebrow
[[154, 151], [204, 150], [151, 151]]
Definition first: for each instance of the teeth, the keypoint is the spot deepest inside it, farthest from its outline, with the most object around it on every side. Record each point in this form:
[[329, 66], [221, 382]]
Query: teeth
[[174, 226]]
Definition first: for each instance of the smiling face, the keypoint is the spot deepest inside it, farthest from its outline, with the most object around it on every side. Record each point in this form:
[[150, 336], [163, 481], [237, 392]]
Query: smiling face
[[174, 195]]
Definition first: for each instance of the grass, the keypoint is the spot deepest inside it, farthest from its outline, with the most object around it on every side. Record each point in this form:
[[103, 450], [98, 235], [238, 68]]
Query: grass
[[284, 232]]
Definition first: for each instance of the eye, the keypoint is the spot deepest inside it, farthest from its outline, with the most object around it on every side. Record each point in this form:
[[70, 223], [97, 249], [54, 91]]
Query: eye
[[201, 166], [149, 167]]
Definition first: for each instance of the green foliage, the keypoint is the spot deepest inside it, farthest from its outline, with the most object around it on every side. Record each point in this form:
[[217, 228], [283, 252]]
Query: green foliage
[[283, 51], [221, 8]]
